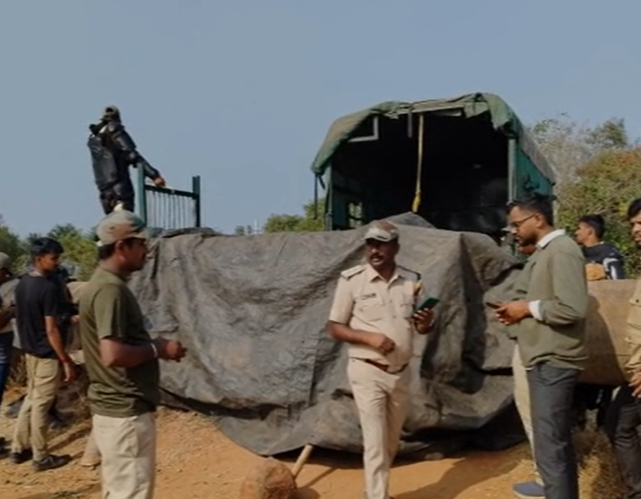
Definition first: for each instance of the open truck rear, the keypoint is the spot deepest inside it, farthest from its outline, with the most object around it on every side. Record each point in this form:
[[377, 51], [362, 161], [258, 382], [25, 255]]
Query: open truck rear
[[456, 162]]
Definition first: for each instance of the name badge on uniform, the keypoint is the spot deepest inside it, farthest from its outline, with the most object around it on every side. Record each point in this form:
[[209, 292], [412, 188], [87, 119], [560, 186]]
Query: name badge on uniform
[[367, 296]]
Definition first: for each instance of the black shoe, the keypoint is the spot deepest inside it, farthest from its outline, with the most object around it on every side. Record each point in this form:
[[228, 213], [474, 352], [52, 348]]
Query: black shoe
[[51, 462], [21, 457]]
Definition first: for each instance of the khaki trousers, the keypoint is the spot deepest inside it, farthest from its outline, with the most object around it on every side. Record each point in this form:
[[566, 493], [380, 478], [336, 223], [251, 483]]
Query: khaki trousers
[[522, 401], [91, 456], [43, 381], [128, 453], [382, 400]]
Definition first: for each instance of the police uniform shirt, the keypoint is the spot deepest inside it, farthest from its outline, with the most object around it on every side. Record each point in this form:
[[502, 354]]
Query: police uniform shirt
[[365, 301]]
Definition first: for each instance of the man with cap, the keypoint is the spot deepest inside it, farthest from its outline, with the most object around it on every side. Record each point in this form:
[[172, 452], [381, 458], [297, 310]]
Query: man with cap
[[373, 311], [122, 361], [8, 283], [113, 151]]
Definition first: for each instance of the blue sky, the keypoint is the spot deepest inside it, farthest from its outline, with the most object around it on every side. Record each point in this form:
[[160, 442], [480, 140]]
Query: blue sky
[[242, 92]]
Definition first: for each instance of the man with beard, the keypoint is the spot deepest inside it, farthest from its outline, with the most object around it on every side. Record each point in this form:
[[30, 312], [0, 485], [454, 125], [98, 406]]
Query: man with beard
[[113, 151], [373, 311], [624, 416], [548, 322], [122, 361]]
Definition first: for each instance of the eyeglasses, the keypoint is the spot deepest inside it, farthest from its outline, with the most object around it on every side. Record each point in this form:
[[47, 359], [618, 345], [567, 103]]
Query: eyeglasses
[[518, 223]]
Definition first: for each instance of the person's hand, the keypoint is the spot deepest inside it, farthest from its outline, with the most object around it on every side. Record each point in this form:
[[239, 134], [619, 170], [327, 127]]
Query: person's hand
[[70, 373], [635, 384], [7, 314], [423, 320], [513, 312], [380, 342], [160, 182], [170, 349]]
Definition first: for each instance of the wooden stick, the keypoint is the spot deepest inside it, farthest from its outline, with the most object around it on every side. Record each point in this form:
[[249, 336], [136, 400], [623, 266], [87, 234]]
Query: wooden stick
[[302, 459]]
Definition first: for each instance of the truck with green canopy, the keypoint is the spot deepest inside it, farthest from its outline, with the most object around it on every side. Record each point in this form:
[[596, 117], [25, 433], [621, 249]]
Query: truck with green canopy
[[456, 162]]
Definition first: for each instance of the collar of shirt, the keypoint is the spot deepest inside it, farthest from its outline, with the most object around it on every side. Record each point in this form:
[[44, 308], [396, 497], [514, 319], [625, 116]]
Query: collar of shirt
[[373, 275], [549, 238]]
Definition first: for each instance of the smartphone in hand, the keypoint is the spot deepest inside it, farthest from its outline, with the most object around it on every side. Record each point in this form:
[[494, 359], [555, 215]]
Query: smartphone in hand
[[429, 302]]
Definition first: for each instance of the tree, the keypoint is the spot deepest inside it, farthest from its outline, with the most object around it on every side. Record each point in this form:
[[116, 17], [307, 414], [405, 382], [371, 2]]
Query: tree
[[569, 145], [311, 221], [65, 231], [80, 248], [606, 185], [10, 242], [243, 230]]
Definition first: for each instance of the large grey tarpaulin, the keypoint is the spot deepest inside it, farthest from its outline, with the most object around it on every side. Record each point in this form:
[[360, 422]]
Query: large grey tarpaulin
[[252, 312]]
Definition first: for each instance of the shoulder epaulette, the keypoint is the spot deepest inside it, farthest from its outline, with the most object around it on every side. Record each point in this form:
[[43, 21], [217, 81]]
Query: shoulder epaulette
[[414, 273], [349, 273]]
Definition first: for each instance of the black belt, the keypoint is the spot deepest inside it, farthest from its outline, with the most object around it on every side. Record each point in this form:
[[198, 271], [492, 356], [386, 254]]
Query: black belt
[[384, 367]]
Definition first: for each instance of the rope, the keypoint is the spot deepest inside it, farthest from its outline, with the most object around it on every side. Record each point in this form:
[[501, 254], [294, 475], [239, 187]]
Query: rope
[[419, 173]]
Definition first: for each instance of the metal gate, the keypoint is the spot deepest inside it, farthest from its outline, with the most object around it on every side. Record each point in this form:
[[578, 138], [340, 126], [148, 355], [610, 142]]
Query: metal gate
[[166, 208]]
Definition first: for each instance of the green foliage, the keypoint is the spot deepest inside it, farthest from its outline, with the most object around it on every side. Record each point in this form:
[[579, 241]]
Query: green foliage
[[243, 230], [569, 145], [80, 249], [10, 242], [606, 185], [311, 221]]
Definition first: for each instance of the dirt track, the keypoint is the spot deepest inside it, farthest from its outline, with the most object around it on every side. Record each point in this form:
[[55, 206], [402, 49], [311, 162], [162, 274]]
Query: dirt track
[[197, 462]]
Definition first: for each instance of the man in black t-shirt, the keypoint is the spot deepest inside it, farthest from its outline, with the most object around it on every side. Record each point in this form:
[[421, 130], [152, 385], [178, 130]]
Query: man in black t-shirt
[[39, 300], [603, 261]]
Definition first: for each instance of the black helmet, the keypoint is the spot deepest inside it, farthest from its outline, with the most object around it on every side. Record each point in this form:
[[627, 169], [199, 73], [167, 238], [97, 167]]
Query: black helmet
[[111, 113]]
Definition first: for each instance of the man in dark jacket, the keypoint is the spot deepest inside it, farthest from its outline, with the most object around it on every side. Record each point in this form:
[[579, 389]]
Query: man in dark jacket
[[603, 261], [113, 151]]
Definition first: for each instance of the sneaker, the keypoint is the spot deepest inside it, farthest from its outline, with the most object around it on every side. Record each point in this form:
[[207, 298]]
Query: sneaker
[[529, 490], [51, 462], [20, 457]]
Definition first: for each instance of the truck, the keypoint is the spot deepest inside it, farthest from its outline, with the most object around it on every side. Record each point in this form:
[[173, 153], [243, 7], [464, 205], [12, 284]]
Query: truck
[[456, 162]]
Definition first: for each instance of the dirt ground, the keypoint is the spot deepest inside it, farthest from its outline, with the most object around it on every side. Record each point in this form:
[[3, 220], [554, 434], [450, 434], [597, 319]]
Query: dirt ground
[[197, 462]]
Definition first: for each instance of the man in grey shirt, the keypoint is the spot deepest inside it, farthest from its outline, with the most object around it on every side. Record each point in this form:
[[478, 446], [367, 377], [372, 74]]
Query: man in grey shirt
[[547, 320]]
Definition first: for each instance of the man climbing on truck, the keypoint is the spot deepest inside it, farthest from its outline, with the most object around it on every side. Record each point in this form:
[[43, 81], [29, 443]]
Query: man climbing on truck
[[113, 151]]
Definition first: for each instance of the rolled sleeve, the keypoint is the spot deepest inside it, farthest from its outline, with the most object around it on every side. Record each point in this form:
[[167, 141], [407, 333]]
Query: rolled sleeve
[[343, 304]]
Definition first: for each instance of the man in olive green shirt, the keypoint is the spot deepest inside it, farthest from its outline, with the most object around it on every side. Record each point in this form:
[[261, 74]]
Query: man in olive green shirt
[[122, 361], [548, 322]]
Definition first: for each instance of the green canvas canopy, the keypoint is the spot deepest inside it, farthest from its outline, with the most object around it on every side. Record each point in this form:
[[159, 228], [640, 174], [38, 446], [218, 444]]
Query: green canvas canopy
[[503, 118]]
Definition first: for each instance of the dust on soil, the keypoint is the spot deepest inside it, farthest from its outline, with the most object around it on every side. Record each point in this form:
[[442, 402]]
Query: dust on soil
[[195, 461]]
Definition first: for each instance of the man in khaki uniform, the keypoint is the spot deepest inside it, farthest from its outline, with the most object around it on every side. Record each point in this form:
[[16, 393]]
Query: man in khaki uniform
[[624, 416], [122, 361], [373, 311]]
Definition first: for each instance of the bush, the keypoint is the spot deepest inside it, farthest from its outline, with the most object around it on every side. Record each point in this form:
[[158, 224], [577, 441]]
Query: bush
[[606, 185]]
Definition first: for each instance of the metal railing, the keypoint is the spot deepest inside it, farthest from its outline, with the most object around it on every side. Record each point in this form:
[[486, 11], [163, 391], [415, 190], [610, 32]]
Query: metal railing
[[166, 208]]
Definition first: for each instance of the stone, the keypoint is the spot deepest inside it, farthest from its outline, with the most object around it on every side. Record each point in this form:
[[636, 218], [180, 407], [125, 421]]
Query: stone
[[270, 479]]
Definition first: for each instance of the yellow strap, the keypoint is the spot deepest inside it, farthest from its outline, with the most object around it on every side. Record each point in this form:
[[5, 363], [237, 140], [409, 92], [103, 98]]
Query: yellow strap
[[419, 173]]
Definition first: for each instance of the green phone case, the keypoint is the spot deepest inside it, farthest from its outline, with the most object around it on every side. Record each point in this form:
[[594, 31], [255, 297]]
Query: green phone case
[[428, 302]]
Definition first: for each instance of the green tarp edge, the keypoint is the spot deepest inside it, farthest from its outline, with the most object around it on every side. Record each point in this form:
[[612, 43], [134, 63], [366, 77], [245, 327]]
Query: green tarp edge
[[503, 117]]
